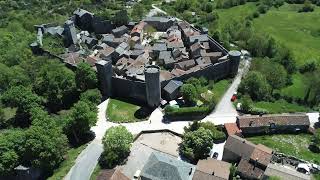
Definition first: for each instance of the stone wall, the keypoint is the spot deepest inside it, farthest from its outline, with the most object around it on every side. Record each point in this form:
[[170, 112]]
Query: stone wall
[[131, 89]]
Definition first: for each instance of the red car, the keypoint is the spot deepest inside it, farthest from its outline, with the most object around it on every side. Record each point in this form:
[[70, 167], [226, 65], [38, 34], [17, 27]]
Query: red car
[[234, 97]]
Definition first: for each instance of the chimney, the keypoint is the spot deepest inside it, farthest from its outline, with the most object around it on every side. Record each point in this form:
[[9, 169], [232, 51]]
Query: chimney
[[212, 173], [260, 115], [250, 123], [190, 172]]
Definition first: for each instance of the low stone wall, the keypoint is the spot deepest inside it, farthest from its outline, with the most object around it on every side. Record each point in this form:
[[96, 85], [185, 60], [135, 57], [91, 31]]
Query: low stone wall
[[156, 131]]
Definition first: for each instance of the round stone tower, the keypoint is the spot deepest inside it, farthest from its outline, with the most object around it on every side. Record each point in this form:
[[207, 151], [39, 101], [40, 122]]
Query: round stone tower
[[153, 88], [234, 57]]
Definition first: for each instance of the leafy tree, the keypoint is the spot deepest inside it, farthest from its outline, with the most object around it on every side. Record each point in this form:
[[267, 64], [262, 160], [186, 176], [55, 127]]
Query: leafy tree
[[246, 104], [276, 75], [121, 18], [24, 99], [11, 150], [12, 76], [285, 57], [116, 144], [196, 144], [195, 125], [45, 147], [56, 84], [256, 85], [80, 120], [189, 93], [91, 96], [137, 11], [86, 78], [307, 7], [308, 67]]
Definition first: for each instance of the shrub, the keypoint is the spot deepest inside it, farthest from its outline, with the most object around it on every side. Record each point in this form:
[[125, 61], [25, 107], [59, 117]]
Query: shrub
[[186, 111], [308, 67]]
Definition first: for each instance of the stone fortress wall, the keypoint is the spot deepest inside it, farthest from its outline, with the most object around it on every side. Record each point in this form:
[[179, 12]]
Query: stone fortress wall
[[148, 91]]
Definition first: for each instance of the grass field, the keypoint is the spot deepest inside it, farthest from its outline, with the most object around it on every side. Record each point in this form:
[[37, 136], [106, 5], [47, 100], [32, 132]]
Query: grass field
[[295, 145], [280, 106], [237, 13], [300, 32], [123, 112], [66, 165]]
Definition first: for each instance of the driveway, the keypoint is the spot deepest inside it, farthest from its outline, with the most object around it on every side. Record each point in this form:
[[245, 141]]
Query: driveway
[[225, 112]]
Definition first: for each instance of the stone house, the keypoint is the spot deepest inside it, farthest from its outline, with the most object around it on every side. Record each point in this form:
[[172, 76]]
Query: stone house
[[252, 159], [172, 90], [119, 31], [273, 123], [163, 166], [83, 19], [212, 169]]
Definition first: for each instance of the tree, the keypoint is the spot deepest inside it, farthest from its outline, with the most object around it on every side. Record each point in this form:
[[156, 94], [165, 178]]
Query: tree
[[246, 104], [24, 99], [56, 84], [80, 120], [285, 57], [256, 85], [276, 75], [137, 11], [121, 18], [45, 147], [11, 150], [189, 93], [86, 78], [116, 144], [91, 96], [196, 144], [217, 134]]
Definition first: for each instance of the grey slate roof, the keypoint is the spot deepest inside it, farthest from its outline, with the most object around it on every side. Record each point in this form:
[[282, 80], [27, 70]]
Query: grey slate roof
[[165, 167], [172, 86], [158, 19], [159, 47], [239, 146], [164, 55], [81, 12], [199, 38]]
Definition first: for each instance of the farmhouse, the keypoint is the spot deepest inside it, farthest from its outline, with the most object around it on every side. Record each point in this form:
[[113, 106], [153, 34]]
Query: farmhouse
[[273, 123]]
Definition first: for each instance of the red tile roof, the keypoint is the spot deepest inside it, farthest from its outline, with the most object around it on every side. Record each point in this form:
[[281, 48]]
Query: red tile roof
[[232, 129]]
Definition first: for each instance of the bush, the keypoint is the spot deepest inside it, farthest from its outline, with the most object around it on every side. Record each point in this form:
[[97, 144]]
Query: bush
[[189, 93], [307, 7], [186, 111], [255, 14], [257, 111], [308, 67]]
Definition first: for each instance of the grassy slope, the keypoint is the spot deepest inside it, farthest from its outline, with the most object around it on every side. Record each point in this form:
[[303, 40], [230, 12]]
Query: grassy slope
[[296, 145], [9, 112], [237, 13], [66, 165], [120, 111], [296, 30]]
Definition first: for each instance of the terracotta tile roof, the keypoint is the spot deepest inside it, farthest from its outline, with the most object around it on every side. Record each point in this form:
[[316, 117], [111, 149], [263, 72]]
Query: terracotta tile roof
[[261, 157], [248, 169], [239, 146], [232, 129], [211, 169], [259, 121], [264, 148], [178, 72], [105, 174], [118, 175]]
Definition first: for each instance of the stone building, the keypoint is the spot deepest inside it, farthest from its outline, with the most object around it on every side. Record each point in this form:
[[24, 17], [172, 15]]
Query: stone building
[[273, 123]]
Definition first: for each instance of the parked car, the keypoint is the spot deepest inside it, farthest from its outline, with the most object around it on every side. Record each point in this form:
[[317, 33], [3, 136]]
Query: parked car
[[234, 97]]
